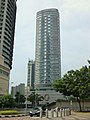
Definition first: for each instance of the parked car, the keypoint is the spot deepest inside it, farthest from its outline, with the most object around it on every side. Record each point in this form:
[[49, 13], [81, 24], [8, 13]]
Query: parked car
[[34, 112]]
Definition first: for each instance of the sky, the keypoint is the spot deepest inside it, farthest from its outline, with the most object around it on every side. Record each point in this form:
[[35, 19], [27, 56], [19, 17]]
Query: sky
[[74, 35]]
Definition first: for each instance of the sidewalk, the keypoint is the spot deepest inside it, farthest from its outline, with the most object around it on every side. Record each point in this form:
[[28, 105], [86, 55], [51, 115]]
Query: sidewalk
[[74, 116]]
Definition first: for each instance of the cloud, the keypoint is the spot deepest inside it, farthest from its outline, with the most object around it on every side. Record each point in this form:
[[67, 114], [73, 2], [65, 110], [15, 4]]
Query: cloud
[[77, 5]]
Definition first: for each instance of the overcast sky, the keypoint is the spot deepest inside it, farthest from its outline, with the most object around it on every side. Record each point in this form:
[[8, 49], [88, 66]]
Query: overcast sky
[[74, 30]]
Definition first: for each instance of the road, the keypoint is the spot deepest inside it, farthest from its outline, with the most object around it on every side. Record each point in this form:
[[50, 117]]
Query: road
[[24, 118], [73, 116]]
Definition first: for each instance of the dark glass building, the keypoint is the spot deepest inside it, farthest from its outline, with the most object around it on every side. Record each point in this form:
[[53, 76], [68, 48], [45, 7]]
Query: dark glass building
[[47, 56]]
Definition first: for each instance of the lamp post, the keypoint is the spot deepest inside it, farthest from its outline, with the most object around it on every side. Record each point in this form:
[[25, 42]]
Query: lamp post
[[12, 89], [35, 97], [26, 99]]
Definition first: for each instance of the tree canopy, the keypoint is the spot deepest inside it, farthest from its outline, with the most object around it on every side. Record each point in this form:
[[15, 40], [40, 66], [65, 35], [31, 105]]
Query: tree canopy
[[35, 98], [76, 83], [19, 98], [7, 101]]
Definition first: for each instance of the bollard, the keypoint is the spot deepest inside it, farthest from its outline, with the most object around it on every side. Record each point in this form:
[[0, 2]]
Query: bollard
[[69, 111], [64, 111], [40, 113], [52, 113], [46, 113], [56, 111], [61, 112]]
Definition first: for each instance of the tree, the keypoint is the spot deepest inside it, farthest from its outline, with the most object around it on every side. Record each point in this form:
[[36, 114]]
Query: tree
[[22, 99], [35, 98], [7, 101], [19, 98], [31, 98], [76, 83], [2, 101], [39, 98]]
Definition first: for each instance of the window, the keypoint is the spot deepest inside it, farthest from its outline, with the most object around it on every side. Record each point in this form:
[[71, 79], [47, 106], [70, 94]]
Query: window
[[45, 43], [45, 26], [45, 49], [45, 46], [45, 67], [49, 21], [45, 17], [3, 0], [49, 24], [45, 36], [2, 11], [1, 19], [3, 4], [45, 52], [48, 18], [2, 8]]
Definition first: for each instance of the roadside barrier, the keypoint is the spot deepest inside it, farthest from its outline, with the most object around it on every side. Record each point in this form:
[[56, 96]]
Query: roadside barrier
[[56, 112], [10, 116]]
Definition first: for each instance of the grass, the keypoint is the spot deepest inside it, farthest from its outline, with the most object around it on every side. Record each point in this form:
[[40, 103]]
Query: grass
[[8, 112]]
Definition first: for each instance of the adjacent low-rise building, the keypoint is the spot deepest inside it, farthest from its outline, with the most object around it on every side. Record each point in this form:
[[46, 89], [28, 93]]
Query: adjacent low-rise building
[[19, 88]]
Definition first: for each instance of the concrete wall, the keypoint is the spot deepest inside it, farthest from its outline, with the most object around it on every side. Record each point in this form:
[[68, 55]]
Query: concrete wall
[[74, 105]]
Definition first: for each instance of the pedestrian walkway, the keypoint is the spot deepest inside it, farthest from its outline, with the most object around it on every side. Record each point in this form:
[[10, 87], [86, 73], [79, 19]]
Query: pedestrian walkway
[[74, 116]]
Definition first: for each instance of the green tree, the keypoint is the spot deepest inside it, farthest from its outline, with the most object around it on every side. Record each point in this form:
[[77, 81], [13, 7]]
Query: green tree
[[19, 98], [39, 98], [2, 101], [35, 98], [31, 98], [76, 83], [7, 101], [22, 99]]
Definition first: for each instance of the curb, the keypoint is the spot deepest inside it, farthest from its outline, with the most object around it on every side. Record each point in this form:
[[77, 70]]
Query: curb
[[9, 116]]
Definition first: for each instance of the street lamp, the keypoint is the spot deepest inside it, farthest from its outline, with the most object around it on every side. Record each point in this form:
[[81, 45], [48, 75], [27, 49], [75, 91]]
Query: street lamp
[[26, 99], [35, 97], [12, 88]]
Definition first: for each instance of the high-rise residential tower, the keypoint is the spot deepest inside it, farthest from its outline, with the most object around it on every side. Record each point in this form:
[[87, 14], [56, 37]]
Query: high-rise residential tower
[[7, 29], [31, 74], [47, 57]]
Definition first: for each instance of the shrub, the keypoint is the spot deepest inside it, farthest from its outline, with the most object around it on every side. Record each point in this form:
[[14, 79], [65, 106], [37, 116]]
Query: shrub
[[8, 112]]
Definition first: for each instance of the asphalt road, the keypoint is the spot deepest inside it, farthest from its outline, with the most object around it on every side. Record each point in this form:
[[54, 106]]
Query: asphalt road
[[23, 118], [73, 116]]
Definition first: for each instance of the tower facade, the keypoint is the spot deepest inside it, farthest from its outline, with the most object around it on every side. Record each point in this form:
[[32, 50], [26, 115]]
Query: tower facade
[[7, 29], [31, 74], [47, 56]]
